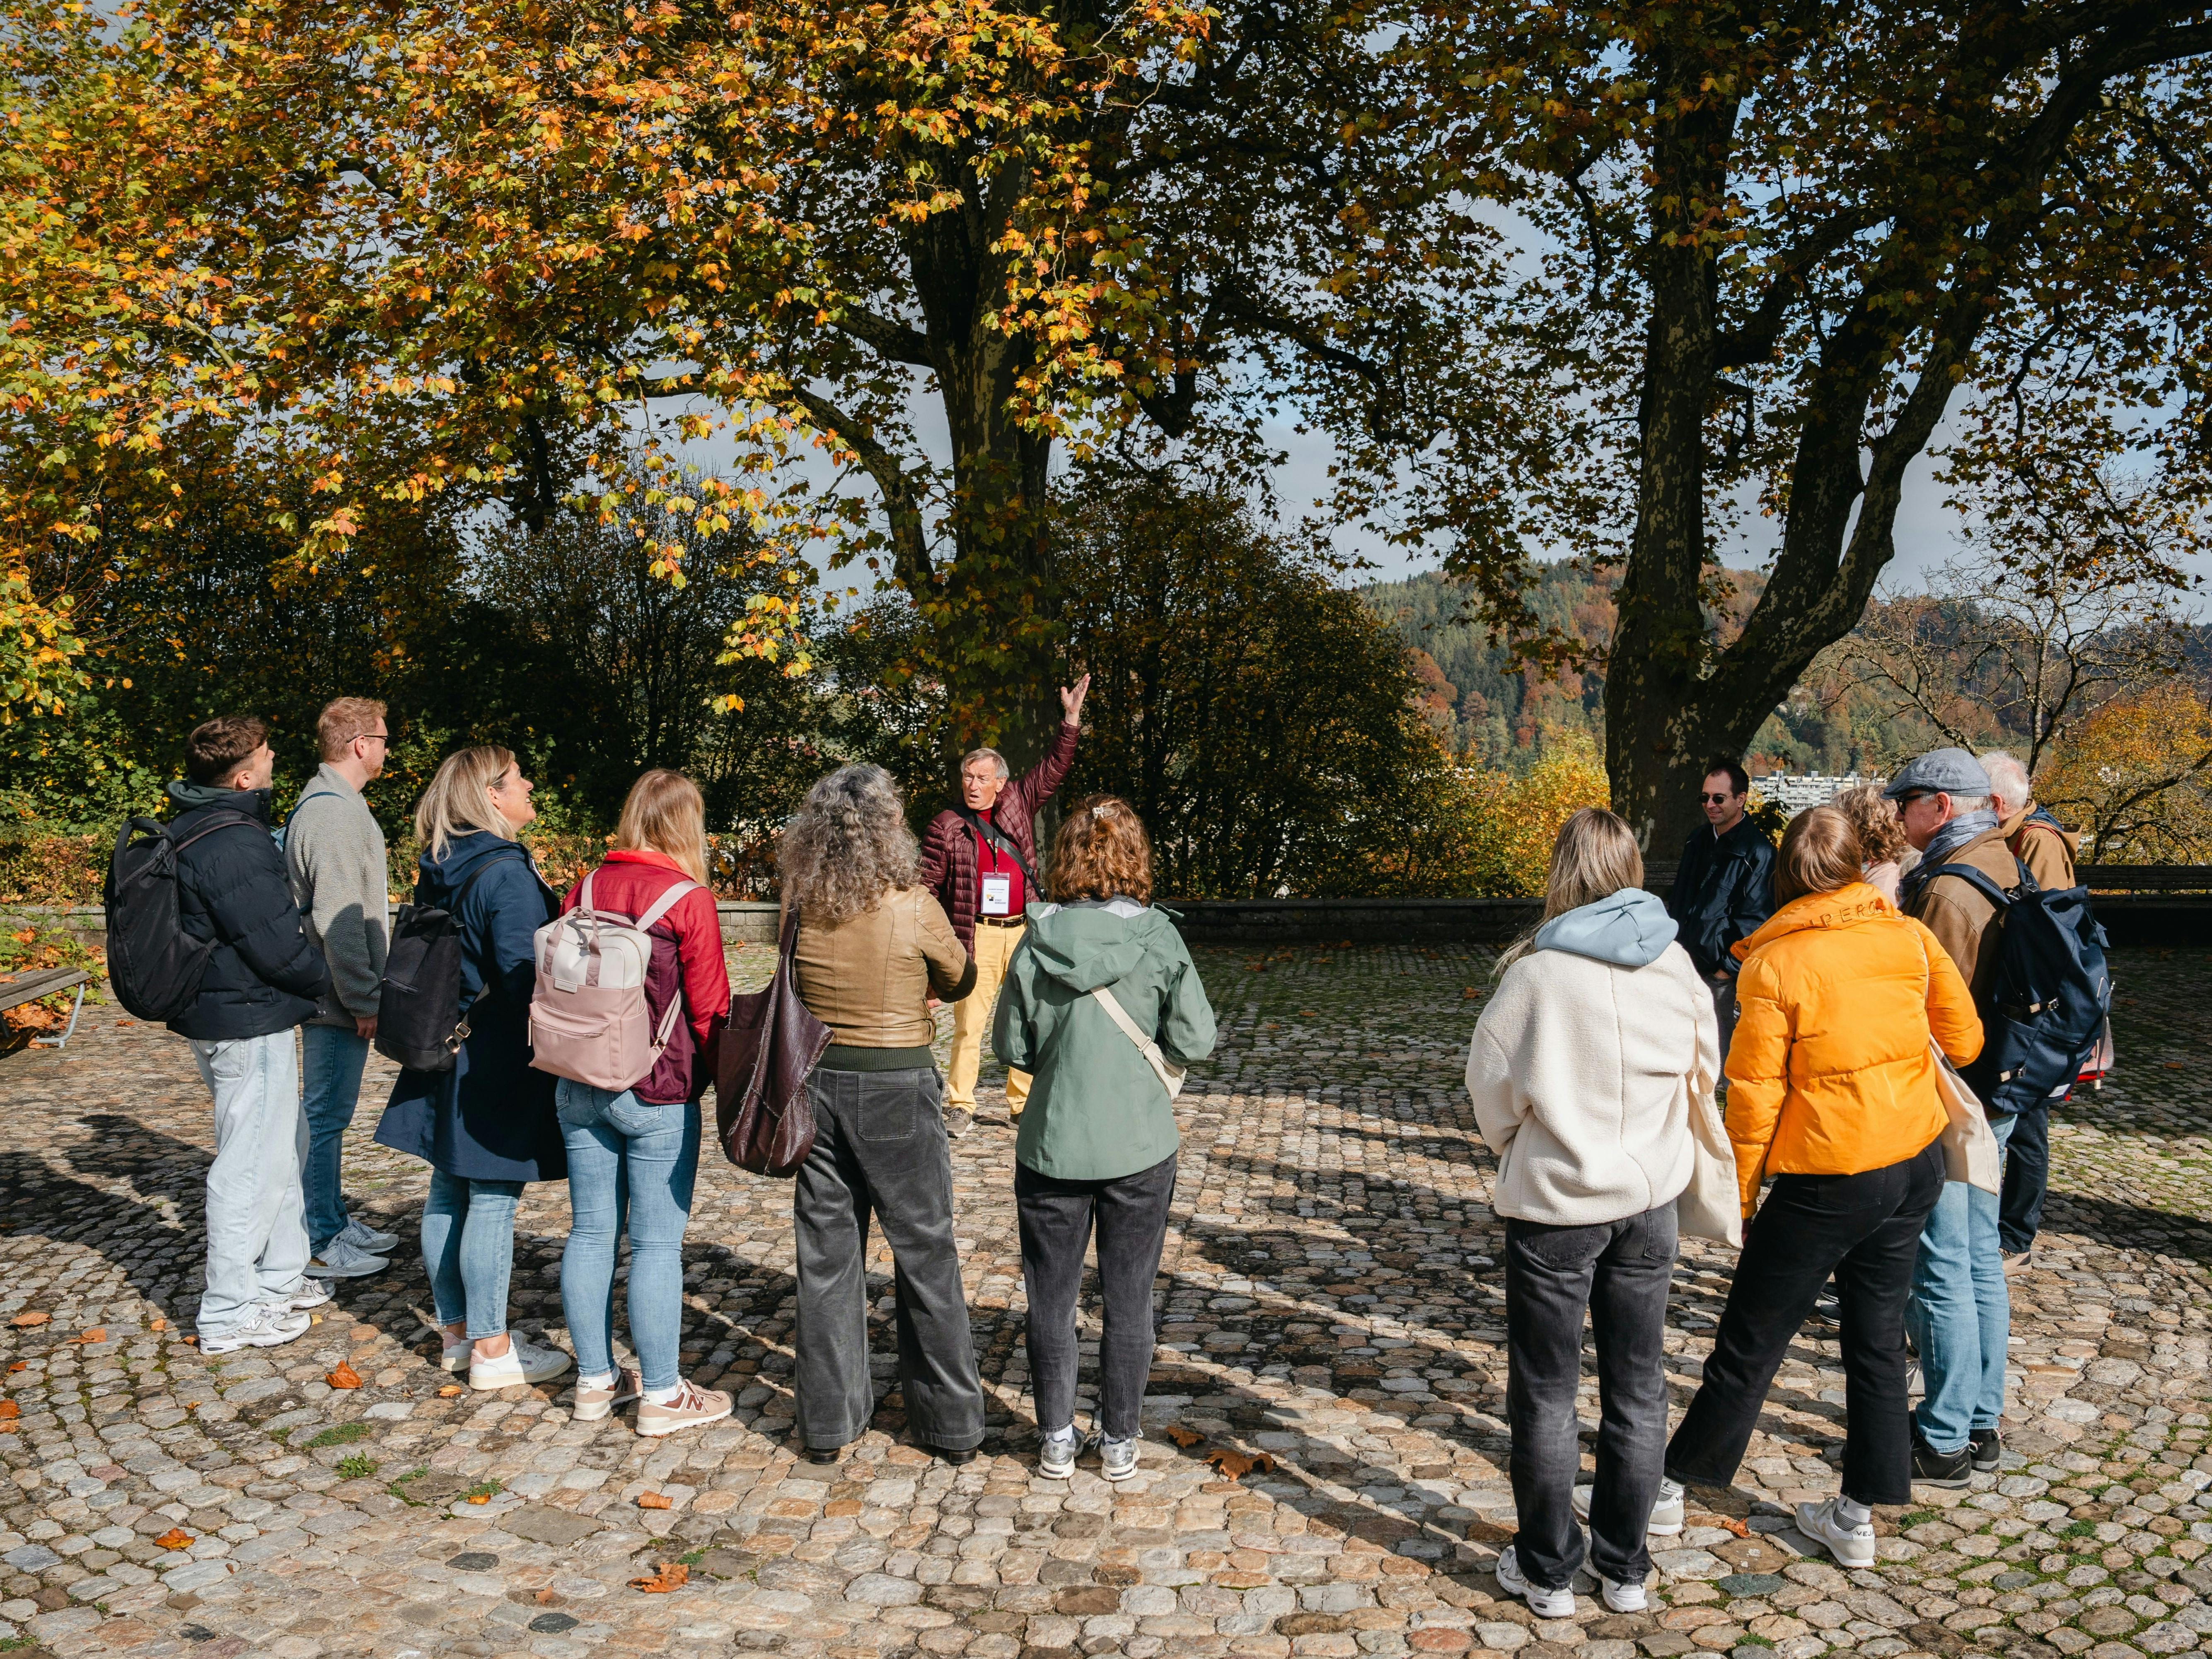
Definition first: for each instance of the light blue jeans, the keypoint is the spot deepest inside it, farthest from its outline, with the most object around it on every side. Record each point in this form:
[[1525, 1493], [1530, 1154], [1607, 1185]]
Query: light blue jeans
[[631, 1165], [468, 1245], [1960, 1315], [257, 1243], [330, 1062]]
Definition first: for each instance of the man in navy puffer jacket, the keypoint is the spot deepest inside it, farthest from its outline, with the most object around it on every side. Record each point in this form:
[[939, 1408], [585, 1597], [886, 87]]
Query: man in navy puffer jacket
[[264, 977]]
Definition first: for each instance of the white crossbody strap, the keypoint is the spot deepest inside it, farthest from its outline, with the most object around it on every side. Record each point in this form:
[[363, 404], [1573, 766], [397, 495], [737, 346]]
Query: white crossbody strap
[[1170, 1077]]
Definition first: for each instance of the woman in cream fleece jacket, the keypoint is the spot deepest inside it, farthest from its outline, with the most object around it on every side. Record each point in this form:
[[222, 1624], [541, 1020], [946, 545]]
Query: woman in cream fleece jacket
[[1583, 1072]]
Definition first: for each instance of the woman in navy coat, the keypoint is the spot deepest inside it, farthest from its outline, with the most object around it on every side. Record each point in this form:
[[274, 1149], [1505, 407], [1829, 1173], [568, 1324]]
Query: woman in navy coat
[[487, 1126]]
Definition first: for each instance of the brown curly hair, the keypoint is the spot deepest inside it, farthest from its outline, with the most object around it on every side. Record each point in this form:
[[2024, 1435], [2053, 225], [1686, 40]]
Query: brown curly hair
[[1874, 816], [1102, 852]]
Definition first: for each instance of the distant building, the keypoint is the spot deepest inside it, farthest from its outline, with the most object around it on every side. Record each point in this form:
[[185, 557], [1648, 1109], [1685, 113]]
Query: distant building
[[1793, 792]]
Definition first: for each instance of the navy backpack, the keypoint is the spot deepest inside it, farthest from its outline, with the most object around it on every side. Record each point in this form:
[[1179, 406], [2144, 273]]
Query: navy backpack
[[2049, 998]]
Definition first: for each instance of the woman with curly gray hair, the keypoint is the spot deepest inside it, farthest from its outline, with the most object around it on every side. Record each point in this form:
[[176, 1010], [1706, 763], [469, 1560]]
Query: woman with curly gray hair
[[874, 947]]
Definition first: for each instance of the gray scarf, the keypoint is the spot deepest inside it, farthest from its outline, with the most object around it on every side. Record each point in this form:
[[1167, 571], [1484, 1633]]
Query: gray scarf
[[1948, 840]]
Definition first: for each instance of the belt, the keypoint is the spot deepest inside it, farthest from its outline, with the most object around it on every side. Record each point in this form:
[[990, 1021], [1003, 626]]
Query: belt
[[1000, 922]]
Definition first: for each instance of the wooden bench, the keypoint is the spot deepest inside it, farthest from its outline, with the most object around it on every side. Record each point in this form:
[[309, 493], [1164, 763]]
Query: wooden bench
[[16, 989]]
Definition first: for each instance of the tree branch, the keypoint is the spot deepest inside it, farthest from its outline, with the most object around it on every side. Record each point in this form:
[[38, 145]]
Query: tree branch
[[910, 560], [890, 338]]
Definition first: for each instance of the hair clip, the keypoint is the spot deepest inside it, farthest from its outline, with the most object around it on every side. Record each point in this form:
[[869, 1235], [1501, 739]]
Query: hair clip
[[1099, 811]]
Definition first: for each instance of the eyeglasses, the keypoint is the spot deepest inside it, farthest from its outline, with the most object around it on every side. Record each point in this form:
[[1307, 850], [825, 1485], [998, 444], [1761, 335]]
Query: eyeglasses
[[1911, 796], [1717, 800]]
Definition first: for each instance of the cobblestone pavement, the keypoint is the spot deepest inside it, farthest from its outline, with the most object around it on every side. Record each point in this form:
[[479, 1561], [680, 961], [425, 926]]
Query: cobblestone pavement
[[1323, 1465]]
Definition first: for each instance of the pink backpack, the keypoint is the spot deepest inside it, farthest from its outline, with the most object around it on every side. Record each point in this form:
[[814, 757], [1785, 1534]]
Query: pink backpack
[[588, 1017]]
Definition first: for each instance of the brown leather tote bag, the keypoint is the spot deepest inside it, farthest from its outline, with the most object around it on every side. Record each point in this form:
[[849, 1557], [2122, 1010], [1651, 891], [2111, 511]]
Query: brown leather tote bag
[[769, 1048]]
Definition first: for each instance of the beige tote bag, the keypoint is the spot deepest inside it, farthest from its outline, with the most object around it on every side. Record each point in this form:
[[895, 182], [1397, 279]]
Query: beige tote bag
[[1711, 1205], [1970, 1152]]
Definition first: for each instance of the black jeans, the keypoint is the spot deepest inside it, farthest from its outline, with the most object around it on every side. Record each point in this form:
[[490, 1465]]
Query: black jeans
[[1620, 1271], [1131, 1214], [879, 1148], [1864, 1229], [2026, 1178]]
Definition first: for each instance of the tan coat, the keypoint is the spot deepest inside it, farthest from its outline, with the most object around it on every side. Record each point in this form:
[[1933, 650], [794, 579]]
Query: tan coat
[[1965, 923], [2047, 853], [869, 977]]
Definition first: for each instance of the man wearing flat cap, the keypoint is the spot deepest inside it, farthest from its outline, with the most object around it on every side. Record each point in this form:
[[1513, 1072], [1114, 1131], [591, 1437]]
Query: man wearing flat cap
[[1959, 1315]]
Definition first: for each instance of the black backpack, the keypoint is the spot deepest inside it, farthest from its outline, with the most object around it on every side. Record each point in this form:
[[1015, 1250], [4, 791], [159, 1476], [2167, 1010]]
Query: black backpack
[[2049, 998], [154, 965], [419, 1020]]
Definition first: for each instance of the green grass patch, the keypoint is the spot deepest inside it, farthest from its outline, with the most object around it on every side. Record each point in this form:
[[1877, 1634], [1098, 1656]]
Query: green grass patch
[[399, 1487], [281, 1437], [339, 1434], [1916, 1518], [695, 1558], [2080, 1529], [1747, 1640], [483, 1489], [356, 1468]]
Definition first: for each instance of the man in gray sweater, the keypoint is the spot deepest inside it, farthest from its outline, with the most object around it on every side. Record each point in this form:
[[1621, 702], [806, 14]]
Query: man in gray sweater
[[334, 853]]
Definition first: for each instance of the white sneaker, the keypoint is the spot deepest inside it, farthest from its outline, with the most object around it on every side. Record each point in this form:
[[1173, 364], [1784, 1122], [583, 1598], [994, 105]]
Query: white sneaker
[[1544, 1604], [1057, 1452], [523, 1362], [1852, 1546], [265, 1326], [594, 1402], [1623, 1598], [340, 1260], [304, 1296], [1666, 1517], [367, 1239], [1117, 1459]]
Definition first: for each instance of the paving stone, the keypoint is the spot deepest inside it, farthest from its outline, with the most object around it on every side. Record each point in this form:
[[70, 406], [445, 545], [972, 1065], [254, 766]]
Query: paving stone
[[1330, 1295]]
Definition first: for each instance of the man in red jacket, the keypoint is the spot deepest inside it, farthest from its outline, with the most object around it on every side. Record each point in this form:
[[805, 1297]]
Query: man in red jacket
[[980, 858]]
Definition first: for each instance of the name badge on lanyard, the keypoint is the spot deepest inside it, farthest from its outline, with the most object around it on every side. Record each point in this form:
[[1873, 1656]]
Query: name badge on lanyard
[[998, 895]]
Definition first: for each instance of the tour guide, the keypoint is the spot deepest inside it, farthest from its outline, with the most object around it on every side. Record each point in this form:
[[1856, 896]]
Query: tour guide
[[979, 858]]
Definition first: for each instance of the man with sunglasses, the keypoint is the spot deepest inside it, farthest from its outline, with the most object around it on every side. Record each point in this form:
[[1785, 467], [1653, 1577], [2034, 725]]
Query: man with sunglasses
[[334, 855], [1723, 887]]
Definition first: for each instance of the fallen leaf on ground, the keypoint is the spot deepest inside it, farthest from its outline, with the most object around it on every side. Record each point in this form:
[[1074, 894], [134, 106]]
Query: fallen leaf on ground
[[97, 1333], [1235, 1465], [449, 1391], [672, 1574], [344, 1377], [549, 1595], [10, 1409], [175, 1538], [1183, 1436], [158, 1324], [191, 1341], [1741, 1529], [477, 1498], [653, 1500], [24, 1321], [20, 1365]]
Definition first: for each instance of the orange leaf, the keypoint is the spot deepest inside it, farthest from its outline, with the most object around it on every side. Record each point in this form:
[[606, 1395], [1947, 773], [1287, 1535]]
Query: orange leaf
[[478, 1498], [1741, 1529], [25, 1320], [653, 1500], [158, 1324], [549, 1595], [1235, 1465], [20, 1365], [344, 1377], [1183, 1436], [673, 1575], [9, 1410], [175, 1538], [97, 1333], [449, 1391]]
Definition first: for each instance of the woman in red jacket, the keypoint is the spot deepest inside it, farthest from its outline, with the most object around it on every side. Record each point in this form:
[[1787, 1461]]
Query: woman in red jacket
[[633, 1156]]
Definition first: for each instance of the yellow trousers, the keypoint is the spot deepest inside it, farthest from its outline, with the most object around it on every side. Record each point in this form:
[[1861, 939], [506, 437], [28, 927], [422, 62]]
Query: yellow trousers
[[971, 1018]]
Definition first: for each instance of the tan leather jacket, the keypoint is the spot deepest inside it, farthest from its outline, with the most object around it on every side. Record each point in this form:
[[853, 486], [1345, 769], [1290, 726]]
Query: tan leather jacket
[[2047, 853], [1965, 923], [869, 977]]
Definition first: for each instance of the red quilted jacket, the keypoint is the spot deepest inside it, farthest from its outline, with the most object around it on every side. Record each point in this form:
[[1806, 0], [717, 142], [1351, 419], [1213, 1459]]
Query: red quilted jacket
[[948, 847]]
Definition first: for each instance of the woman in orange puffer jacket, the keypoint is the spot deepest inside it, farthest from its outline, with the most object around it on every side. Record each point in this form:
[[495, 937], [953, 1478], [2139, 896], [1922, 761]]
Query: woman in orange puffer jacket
[[1832, 1092]]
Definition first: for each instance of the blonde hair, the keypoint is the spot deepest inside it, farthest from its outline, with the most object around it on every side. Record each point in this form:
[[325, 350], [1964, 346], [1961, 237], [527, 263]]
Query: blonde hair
[[342, 720], [847, 846], [1102, 852], [458, 800], [1594, 856], [1820, 854], [665, 813]]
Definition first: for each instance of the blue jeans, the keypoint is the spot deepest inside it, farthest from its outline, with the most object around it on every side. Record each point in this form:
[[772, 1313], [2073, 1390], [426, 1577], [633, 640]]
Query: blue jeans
[[1960, 1315], [330, 1062], [468, 1245], [631, 1164], [256, 1243]]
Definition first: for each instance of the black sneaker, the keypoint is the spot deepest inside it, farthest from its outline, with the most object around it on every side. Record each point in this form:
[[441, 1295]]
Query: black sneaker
[[1986, 1449], [1934, 1468], [1828, 1309]]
